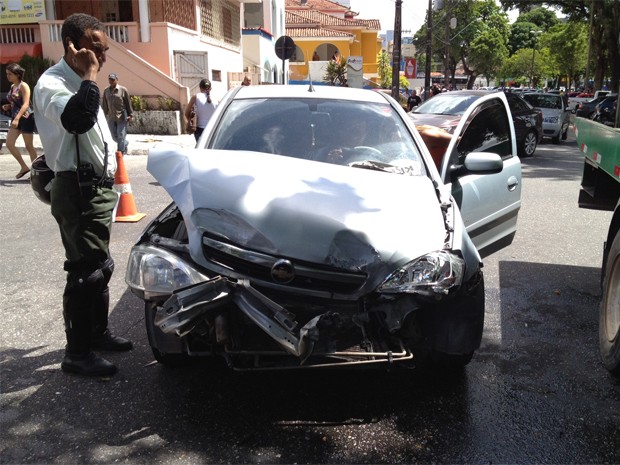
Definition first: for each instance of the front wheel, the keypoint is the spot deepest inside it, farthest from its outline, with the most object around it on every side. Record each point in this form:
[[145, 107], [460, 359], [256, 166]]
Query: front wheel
[[528, 145], [609, 314]]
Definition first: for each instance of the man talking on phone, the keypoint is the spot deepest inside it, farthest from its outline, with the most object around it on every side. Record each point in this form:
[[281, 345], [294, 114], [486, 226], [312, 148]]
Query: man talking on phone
[[76, 140]]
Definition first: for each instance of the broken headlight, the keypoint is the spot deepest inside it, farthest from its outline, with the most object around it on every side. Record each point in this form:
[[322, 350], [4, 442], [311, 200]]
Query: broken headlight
[[158, 272], [438, 272]]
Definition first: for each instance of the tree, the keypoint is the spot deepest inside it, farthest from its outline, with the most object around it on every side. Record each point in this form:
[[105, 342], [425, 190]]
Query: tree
[[482, 42], [542, 18], [487, 55], [477, 22], [521, 36], [605, 50], [336, 72], [384, 70], [568, 44], [527, 63]]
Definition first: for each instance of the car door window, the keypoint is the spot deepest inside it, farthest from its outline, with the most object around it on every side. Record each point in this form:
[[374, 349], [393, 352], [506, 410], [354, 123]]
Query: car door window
[[488, 130], [489, 203]]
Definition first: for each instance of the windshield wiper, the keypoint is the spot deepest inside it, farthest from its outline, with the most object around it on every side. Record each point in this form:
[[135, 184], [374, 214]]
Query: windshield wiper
[[380, 166]]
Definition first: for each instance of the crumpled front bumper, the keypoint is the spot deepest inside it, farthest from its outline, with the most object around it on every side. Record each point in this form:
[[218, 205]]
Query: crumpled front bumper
[[187, 307]]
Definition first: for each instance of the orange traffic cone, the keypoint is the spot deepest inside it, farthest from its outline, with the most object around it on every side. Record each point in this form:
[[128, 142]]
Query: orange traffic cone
[[125, 210]]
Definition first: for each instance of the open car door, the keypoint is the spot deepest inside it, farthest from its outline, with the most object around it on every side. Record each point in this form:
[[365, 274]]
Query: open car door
[[489, 203]]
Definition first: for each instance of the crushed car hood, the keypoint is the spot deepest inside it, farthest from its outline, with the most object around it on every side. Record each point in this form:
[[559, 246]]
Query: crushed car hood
[[300, 209]]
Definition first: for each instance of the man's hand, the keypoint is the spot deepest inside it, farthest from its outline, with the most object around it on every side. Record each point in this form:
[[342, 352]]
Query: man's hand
[[84, 62]]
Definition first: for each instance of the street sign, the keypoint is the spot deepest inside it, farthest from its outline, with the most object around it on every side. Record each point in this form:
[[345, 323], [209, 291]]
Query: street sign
[[285, 47], [410, 68]]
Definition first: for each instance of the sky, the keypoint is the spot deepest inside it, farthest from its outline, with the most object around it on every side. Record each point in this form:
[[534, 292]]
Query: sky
[[412, 17]]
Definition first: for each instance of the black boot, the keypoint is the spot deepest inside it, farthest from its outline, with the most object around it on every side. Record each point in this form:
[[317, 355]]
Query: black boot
[[102, 338], [109, 342], [87, 365], [77, 313]]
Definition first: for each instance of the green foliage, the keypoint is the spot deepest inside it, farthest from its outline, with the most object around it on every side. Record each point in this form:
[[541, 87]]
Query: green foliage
[[138, 103], [528, 62], [487, 53], [521, 36], [384, 70], [542, 18], [336, 72], [568, 45], [167, 104], [34, 67]]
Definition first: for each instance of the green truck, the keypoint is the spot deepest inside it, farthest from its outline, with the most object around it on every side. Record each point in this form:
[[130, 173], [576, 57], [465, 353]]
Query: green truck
[[600, 190]]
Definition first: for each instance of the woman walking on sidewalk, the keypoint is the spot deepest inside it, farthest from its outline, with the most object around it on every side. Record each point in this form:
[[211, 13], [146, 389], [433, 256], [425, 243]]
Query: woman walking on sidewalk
[[23, 119]]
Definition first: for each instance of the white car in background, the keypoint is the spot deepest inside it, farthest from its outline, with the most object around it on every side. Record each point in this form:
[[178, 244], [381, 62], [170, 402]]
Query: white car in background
[[556, 114]]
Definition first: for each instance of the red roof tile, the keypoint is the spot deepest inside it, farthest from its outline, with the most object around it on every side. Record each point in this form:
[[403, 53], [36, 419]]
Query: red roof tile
[[315, 32], [324, 5]]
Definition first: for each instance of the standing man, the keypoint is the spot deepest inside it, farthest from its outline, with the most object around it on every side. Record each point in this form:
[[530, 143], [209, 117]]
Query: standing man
[[75, 137], [117, 108], [413, 101]]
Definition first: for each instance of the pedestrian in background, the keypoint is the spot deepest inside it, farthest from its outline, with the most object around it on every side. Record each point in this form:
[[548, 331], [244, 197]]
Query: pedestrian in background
[[413, 100], [116, 104], [75, 137], [203, 107], [22, 122]]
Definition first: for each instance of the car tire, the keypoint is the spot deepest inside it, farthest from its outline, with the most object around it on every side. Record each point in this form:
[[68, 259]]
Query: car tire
[[556, 139], [528, 144], [609, 313], [565, 133]]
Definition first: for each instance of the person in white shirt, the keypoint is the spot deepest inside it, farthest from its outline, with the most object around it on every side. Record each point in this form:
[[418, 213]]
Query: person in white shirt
[[76, 140], [203, 107]]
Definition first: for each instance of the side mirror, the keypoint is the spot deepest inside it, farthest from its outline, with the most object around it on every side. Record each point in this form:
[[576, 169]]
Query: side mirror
[[478, 163]]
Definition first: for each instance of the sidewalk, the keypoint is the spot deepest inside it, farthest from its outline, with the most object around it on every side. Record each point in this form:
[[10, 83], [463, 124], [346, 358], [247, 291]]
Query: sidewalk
[[139, 144]]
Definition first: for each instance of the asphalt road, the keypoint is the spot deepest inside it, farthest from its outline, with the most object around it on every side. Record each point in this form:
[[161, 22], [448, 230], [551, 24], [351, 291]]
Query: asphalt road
[[534, 393]]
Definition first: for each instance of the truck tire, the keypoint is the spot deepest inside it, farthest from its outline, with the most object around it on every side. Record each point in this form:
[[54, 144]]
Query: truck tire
[[609, 314]]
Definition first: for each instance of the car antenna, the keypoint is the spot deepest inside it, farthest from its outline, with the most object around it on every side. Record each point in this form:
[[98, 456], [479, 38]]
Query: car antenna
[[310, 87]]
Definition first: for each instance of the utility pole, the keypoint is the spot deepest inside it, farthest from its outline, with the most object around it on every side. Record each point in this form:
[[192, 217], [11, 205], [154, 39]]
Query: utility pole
[[429, 38], [396, 51], [586, 78], [447, 44]]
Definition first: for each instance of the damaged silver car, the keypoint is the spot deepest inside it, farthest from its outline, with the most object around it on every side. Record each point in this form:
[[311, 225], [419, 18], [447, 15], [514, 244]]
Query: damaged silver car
[[310, 228]]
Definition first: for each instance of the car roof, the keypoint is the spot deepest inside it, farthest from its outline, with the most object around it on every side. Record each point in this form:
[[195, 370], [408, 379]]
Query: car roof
[[551, 94], [466, 92], [303, 91]]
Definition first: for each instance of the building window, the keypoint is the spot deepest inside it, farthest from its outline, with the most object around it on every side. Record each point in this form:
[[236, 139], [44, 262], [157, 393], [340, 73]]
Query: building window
[[216, 75], [220, 20]]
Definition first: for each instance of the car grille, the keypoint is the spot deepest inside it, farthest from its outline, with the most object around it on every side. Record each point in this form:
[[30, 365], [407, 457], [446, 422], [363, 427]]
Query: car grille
[[256, 265]]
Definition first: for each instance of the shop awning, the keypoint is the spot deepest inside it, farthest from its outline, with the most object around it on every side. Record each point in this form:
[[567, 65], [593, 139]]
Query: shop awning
[[12, 53]]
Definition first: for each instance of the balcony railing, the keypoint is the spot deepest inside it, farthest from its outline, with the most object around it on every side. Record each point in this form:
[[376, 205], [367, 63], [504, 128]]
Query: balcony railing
[[29, 34], [18, 34]]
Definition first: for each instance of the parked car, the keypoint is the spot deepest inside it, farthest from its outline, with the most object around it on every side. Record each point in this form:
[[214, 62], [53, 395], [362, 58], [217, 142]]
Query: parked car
[[605, 110], [588, 108], [5, 125], [445, 110], [575, 102], [556, 115], [311, 228]]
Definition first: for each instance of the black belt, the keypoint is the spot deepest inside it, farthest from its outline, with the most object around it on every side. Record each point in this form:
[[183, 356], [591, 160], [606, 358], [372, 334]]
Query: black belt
[[103, 182]]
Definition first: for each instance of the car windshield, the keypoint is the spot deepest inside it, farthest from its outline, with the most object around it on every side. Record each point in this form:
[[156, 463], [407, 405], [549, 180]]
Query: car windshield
[[344, 132], [450, 103], [544, 101]]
